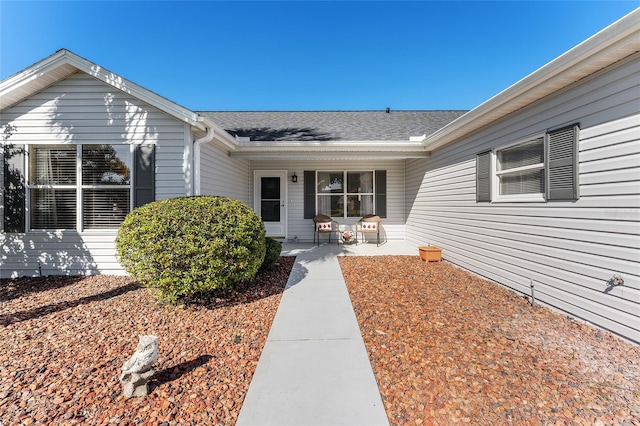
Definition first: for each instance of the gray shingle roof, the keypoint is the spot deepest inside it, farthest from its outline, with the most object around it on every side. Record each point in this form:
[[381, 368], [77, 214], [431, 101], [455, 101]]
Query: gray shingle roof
[[331, 125]]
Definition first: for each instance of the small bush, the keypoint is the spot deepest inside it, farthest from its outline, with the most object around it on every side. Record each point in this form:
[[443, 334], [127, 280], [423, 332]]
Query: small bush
[[188, 245], [274, 248]]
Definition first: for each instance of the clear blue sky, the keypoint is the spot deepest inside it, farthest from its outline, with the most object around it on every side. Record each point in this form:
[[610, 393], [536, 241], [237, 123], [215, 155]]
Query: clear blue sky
[[210, 55]]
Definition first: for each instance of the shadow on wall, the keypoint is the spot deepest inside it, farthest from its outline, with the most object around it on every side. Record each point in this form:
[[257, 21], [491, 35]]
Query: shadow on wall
[[123, 118], [45, 253]]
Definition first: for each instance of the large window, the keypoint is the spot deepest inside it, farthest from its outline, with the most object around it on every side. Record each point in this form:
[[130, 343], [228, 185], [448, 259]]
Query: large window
[[72, 186], [345, 193]]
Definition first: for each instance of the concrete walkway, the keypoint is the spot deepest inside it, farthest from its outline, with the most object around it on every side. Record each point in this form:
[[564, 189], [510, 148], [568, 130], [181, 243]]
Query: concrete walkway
[[314, 368]]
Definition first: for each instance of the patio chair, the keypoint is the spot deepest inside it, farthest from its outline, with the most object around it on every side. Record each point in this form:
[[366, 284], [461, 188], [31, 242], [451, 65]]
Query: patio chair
[[323, 224], [369, 224]]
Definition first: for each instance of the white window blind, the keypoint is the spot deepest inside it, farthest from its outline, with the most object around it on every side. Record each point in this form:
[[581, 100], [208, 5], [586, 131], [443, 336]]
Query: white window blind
[[105, 185], [53, 208], [54, 186], [529, 182], [53, 165], [520, 168], [522, 155], [52, 178], [104, 208]]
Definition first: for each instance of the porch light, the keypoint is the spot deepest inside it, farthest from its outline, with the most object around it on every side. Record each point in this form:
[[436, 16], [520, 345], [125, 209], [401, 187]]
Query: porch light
[[294, 177]]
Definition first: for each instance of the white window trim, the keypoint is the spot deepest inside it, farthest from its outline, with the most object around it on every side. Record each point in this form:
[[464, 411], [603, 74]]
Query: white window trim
[[495, 174], [345, 193], [79, 188]]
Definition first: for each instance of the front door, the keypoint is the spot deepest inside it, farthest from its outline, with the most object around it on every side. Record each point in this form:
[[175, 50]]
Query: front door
[[270, 200]]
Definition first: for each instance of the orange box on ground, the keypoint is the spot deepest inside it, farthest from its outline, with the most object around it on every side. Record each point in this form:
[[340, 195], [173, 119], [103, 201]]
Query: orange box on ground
[[430, 253]]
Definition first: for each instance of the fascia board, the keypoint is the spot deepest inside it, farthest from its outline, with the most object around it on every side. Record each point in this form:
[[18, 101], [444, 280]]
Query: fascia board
[[319, 146], [64, 58], [53, 65], [221, 135], [608, 46], [329, 155]]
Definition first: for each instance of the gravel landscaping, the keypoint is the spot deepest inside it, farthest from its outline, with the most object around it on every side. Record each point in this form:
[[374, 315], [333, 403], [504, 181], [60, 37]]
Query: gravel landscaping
[[448, 347], [64, 340]]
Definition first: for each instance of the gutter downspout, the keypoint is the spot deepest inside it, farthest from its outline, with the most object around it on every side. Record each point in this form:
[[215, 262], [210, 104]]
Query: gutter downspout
[[196, 157]]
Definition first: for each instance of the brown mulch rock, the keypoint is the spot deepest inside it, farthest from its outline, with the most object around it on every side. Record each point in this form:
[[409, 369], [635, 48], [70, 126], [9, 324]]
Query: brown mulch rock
[[449, 347], [64, 339]]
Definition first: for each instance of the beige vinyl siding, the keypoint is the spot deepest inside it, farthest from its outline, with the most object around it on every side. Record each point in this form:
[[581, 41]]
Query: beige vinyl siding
[[392, 225], [223, 175], [570, 249], [82, 109]]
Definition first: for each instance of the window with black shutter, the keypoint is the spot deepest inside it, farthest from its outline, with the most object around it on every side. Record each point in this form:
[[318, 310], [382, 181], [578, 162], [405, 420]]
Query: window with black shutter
[[85, 186], [345, 194], [483, 177], [562, 164], [539, 168]]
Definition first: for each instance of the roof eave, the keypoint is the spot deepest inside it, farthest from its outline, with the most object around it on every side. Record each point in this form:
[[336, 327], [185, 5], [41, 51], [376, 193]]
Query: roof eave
[[330, 149], [64, 63], [221, 135], [331, 145], [612, 44]]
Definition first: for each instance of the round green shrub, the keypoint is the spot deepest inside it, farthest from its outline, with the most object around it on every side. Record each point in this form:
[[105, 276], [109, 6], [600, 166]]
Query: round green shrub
[[187, 245], [274, 248]]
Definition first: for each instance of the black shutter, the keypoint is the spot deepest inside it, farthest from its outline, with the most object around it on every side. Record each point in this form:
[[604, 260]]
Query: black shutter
[[483, 177], [381, 193], [14, 188], [562, 164], [144, 188], [309, 194]]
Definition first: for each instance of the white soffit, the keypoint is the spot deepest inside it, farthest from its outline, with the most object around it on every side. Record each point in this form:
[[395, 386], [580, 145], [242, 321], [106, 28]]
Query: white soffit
[[330, 149]]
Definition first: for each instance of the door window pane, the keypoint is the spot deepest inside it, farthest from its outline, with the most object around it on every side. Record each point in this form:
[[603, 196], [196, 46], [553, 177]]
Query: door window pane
[[270, 199], [270, 187], [270, 210]]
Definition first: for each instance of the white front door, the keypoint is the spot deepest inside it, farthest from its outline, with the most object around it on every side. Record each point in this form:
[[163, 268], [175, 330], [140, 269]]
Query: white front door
[[270, 200]]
